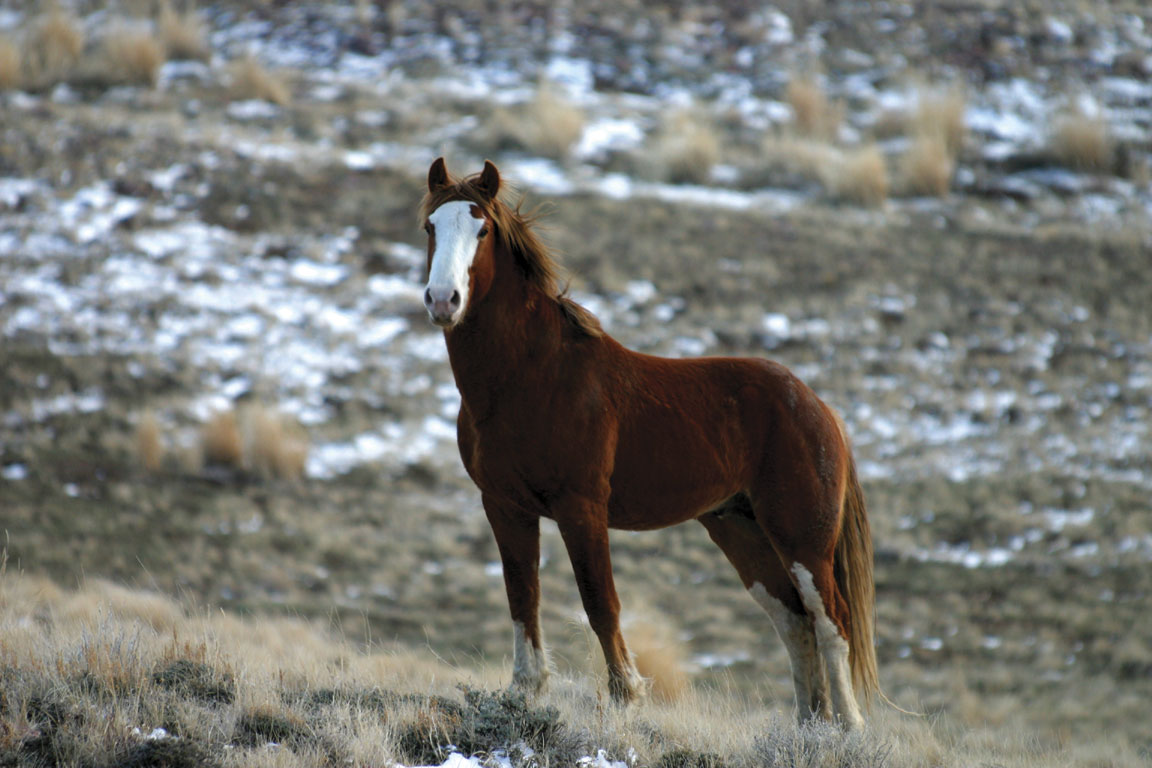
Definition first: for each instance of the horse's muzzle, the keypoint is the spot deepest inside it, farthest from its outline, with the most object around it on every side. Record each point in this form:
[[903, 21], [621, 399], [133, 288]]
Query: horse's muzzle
[[443, 306]]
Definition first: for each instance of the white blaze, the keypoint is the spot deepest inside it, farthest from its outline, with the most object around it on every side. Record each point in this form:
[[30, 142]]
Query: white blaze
[[457, 233]]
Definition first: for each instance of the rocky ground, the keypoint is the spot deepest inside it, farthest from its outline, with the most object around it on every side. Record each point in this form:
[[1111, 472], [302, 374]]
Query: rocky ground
[[179, 251]]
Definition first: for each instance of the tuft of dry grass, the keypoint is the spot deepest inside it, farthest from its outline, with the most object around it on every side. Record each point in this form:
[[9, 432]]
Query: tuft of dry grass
[[251, 80], [220, 441], [687, 148], [659, 658], [939, 116], [859, 176], [52, 47], [182, 34], [815, 116], [149, 446], [927, 167], [548, 126], [1081, 142], [11, 74], [274, 446], [132, 56]]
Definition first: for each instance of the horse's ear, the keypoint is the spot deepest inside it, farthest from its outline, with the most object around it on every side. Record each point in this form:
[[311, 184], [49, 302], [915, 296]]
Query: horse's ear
[[437, 175], [489, 182]]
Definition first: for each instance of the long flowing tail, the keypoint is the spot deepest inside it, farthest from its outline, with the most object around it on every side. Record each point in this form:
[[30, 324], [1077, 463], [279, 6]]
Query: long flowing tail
[[852, 567]]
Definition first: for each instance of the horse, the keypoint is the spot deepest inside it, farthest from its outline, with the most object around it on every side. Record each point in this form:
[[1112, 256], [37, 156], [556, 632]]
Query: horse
[[559, 420]]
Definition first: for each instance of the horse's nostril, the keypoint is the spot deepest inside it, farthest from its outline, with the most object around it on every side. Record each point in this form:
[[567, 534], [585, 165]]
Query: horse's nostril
[[428, 296], [455, 300]]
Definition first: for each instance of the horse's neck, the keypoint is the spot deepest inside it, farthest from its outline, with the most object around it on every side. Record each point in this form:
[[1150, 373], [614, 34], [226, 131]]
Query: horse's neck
[[510, 339]]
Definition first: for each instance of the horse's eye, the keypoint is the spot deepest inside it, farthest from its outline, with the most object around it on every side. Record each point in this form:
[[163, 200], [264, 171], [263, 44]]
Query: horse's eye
[[483, 233], [428, 227]]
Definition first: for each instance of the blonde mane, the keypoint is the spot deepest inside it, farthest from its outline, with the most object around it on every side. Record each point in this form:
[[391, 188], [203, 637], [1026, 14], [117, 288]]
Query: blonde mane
[[514, 228]]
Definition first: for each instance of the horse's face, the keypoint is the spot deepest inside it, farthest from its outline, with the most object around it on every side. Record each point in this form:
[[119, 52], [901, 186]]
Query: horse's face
[[459, 251]]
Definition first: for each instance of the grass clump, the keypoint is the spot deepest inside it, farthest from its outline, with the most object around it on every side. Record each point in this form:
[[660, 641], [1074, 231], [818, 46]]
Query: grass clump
[[927, 167], [687, 148], [132, 56], [52, 48], [264, 724], [1082, 142], [196, 680], [182, 34], [488, 722], [547, 126], [11, 72], [859, 177], [816, 117], [251, 80], [819, 744]]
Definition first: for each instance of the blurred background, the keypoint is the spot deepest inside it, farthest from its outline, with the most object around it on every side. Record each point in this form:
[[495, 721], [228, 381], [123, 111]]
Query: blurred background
[[217, 380]]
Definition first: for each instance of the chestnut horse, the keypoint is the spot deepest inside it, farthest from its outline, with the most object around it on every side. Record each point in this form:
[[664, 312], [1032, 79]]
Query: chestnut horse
[[558, 420]]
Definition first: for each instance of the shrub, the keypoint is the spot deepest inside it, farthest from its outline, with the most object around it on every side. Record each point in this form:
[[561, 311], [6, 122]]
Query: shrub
[[11, 75], [52, 48], [547, 126], [687, 148], [939, 116], [815, 115]]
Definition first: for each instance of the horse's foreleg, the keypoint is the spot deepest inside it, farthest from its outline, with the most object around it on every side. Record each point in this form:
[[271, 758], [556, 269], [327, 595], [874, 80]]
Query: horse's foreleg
[[585, 530], [518, 538], [751, 553]]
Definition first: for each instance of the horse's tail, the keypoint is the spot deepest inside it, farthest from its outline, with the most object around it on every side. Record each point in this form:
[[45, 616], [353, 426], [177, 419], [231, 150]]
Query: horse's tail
[[852, 567]]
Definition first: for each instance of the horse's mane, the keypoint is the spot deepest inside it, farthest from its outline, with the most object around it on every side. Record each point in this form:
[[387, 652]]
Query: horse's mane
[[514, 228]]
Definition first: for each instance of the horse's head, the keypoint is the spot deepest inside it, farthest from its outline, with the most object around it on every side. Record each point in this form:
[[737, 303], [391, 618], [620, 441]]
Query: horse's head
[[460, 258]]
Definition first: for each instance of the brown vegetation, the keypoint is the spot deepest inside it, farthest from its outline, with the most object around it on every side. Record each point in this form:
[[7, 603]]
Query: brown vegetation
[[251, 80], [939, 117], [1082, 142], [10, 68], [132, 56], [687, 148], [926, 168], [860, 177], [274, 446], [182, 34], [220, 441], [548, 125], [149, 446], [52, 47], [816, 117]]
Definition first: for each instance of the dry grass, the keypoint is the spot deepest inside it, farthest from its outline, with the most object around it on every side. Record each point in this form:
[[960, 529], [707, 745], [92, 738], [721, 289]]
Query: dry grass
[[220, 440], [548, 126], [659, 657], [939, 116], [251, 80], [52, 47], [859, 177], [149, 446], [687, 147], [182, 34], [86, 674], [132, 56], [274, 446], [815, 116], [927, 167], [1082, 142], [11, 74]]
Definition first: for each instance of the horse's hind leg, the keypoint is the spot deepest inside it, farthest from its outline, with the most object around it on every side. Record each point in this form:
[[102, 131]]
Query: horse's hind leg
[[750, 551], [518, 538]]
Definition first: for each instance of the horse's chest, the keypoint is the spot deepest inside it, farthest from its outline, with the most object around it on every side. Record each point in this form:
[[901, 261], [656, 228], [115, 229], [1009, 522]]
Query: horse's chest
[[511, 458]]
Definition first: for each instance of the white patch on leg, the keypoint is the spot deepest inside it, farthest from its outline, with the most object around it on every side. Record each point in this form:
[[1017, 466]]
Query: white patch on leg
[[833, 647], [798, 637], [529, 663]]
